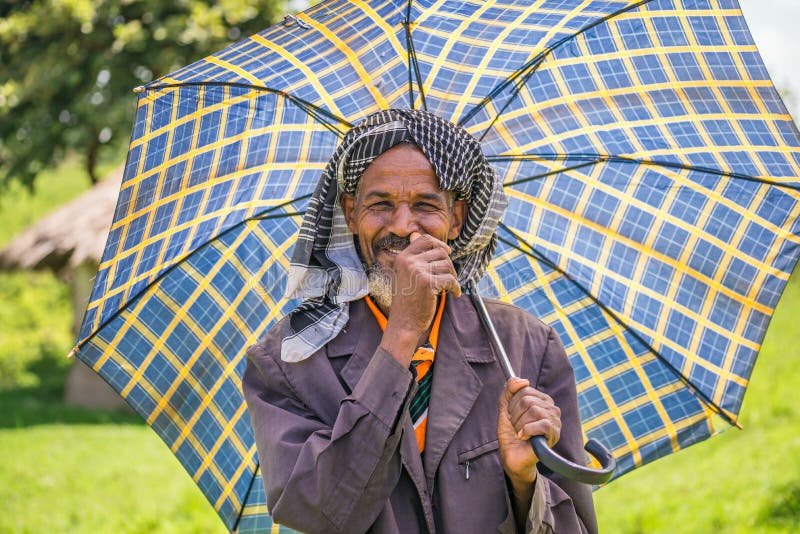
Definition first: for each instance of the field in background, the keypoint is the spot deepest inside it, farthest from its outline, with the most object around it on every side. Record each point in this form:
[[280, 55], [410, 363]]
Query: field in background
[[71, 470]]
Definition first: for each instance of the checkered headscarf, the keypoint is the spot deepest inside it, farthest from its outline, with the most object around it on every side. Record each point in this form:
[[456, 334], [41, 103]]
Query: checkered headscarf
[[326, 270]]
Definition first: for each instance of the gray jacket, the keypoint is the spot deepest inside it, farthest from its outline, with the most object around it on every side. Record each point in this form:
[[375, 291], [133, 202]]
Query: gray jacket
[[338, 452]]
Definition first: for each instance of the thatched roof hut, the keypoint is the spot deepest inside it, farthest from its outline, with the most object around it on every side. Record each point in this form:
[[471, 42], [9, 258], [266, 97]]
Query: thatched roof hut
[[73, 234], [70, 242]]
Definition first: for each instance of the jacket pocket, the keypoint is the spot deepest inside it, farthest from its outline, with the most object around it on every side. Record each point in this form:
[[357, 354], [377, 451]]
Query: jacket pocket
[[466, 458]]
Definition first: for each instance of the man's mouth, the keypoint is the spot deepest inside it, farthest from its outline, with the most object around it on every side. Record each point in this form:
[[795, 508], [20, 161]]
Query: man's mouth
[[392, 244]]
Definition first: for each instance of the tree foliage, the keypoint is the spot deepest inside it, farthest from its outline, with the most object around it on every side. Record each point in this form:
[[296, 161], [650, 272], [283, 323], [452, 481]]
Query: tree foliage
[[68, 67]]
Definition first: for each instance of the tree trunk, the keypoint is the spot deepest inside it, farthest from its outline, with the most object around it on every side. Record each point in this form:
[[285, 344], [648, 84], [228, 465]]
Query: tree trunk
[[91, 162]]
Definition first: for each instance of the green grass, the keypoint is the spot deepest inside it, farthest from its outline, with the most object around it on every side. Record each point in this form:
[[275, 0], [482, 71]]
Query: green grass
[[742, 481], [96, 478]]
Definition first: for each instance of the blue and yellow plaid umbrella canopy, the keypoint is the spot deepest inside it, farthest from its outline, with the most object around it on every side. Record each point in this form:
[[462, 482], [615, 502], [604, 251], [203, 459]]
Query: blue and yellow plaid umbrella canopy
[[652, 174]]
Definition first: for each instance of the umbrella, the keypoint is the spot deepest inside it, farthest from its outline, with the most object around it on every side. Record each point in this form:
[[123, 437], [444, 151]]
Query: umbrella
[[652, 174]]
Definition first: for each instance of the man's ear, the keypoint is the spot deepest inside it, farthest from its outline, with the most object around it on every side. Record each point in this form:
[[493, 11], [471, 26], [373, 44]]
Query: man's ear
[[459, 214], [348, 203]]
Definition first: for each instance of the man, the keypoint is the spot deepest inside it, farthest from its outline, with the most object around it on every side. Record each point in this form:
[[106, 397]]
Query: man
[[378, 405]]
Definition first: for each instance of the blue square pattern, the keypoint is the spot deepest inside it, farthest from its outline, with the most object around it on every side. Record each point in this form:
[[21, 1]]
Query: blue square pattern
[[209, 128], [703, 100], [613, 293], [552, 229], [643, 420], [592, 403], [560, 119], [636, 222], [567, 191], [723, 221], [633, 31], [721, 65], [596, 111], [206, 370], [658, 374], [732, 397], [189, 457], [625, 387], [685, 67], [740, 100], [670, 31], [692, 293], [680, 328], [614, 74], [705, 259], [182, 138], [142, 403], [650, 137], [205, 310], [165, 427], [706, 31], [721, 132], [631, 106], [588, 322], [668, 103], [714, 346], [647, 311], [757, 132], [515, 273], [161, 372], [681, 405], [706, 380], [230, 156], [588, 243], [649, 69], [607, 354], [689, 204], [623, 260], [726, 311]]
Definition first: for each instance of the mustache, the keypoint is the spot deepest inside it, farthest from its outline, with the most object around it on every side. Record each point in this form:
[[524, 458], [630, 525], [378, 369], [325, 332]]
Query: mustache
[[392, 241]]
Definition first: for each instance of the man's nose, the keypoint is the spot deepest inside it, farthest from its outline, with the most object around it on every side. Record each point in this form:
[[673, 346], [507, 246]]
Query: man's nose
[[404, 221]]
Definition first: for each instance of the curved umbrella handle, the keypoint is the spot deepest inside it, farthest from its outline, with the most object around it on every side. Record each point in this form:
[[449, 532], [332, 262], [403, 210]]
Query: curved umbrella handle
[[551, 459], [579, 473]]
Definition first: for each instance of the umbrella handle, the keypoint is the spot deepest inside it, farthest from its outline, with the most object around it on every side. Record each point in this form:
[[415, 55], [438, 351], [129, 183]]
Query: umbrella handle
[[551, 459], [579, 473]]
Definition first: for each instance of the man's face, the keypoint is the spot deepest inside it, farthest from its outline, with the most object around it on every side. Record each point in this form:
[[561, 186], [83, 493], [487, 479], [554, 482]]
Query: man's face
[[399, 194]]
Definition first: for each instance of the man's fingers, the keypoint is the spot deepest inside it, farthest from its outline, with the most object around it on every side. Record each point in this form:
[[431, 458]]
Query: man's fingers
[[540, 428], [421, 242]]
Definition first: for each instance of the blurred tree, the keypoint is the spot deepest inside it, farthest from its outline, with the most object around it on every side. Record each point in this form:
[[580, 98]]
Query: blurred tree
[[68, 67]]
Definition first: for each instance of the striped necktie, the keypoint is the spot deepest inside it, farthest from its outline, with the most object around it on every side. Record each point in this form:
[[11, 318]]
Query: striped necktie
[[422, 362]]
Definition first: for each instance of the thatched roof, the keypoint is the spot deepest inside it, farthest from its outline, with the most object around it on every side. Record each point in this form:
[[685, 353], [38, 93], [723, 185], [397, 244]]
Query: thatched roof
[[73, 233]]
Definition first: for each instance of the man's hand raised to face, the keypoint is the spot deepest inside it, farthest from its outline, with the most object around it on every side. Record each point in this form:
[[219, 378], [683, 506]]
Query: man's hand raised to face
[[421, 272]]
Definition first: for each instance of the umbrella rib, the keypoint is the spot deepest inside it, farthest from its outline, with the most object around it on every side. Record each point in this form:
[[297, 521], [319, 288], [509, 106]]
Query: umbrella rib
[[318, 113], [597, 158], [413, 63], [263, 214], [529, 67], [541, 258], [245, 496], [551, 173]]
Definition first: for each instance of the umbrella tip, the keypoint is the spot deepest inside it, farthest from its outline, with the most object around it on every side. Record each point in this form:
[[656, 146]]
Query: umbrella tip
[[737, 425], [73, 352], [138, 89]]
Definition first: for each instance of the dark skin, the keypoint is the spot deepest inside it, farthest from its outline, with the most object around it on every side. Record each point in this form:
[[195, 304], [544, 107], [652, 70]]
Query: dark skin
[[399, 195]]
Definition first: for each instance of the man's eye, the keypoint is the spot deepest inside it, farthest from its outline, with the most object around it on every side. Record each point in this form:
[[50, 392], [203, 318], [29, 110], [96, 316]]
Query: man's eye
[[382, 205], [426, 206]]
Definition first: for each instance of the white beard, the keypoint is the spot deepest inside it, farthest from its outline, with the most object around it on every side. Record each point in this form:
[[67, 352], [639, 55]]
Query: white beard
[[380, 286]]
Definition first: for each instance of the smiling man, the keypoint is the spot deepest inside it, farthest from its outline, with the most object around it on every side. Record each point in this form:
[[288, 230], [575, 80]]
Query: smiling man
[[377, 404]]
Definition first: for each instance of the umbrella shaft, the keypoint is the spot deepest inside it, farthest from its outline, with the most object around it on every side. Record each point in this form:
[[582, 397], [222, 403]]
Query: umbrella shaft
[[483, 313]]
